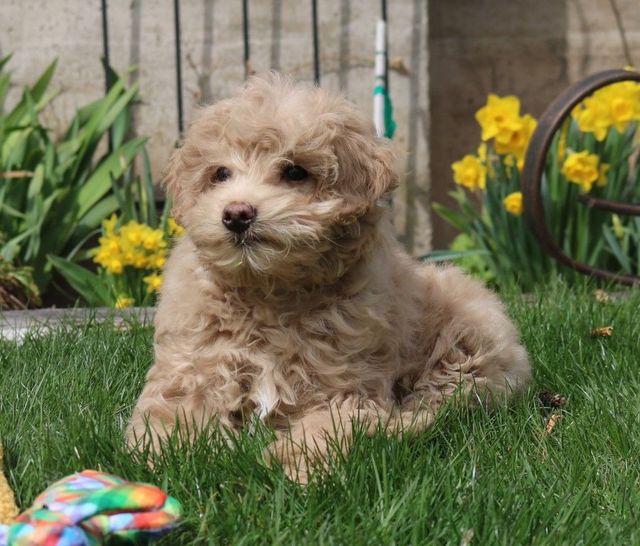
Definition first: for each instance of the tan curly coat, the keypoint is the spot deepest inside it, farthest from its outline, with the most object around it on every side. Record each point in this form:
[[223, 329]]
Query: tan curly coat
[[314, 316]]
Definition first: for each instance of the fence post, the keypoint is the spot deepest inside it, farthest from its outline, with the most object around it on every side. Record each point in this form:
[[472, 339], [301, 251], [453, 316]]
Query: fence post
[[176, 19], [245, 39], [316, 44], [105, 58]]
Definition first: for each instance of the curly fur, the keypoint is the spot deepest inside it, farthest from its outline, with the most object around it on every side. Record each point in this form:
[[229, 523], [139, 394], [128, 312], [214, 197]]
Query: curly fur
[[314, 316]]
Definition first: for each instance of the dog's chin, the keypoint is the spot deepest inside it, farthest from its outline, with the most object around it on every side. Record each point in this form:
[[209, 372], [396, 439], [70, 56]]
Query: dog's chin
[[267, 262]]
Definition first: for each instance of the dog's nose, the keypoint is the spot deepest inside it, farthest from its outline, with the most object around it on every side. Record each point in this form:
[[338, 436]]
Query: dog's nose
[[237, 217]]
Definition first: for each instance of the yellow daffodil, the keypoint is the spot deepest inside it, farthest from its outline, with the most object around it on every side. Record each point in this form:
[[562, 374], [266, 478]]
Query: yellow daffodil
[[139, 261], [470, 173], [582, 168], [175, 229], [132, 233], [153, 239], [613, 106], [500, 120], [514, 138], [624, 103], [124, 301], [114, 265], [137, 246], [513, 203], [157, 261], [153, 282], [496, 114], [592, 116]]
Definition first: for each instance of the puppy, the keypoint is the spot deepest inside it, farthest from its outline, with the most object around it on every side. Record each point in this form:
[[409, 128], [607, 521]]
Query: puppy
[[289, 299]]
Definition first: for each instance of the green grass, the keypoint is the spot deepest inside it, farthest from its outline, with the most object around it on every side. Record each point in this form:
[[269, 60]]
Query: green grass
[[64, 400]]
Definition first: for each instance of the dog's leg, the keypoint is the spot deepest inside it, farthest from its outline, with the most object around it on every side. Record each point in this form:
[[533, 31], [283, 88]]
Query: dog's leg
[[467, 376], [155, 417], [476, 354], [310, 441], [186, 398]]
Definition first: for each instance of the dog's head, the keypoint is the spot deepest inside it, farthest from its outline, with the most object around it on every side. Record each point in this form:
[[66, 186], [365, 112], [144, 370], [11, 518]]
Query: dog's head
[[280, 183]]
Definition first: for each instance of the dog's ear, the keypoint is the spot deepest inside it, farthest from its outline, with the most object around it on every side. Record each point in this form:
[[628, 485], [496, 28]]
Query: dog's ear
[[172, 185], [384, 178], [365, 162]]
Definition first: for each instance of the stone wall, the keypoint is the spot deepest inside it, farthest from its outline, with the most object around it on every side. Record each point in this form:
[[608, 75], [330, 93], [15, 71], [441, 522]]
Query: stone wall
[[141, 34]]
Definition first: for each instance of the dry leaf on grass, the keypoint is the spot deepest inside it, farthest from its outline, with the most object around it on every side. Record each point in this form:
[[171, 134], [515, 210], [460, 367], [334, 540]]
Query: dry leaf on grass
[[552, 422], [602, 331], [601, 296]]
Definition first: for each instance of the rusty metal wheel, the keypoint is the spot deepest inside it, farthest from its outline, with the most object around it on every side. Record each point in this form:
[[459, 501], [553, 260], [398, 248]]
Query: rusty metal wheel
[[536, 160]]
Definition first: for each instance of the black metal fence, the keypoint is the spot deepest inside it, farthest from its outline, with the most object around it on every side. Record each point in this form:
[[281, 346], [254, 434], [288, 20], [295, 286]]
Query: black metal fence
[[246, 39]]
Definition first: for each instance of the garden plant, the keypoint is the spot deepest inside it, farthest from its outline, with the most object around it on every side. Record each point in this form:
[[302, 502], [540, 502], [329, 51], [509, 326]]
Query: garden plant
[[558, 466], [130, 258], [595, 152], [55, 192]]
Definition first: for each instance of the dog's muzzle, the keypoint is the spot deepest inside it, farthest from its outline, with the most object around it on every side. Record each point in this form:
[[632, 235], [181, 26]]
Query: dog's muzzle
[[237, 217]]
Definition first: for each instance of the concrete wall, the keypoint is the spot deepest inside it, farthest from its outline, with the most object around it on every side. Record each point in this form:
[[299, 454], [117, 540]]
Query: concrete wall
[[141, 34], [443, 65], [532, 49]]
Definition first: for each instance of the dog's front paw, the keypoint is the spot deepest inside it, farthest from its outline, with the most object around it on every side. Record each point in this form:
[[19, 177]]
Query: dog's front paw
[[291, 455], [298, 453]]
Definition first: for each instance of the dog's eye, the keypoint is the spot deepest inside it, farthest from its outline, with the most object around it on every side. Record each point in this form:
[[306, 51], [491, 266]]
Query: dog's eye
[[221, 174], [294, 173]]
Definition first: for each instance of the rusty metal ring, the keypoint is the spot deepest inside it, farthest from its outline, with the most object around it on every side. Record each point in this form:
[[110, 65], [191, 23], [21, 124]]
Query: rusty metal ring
[[536, 159]]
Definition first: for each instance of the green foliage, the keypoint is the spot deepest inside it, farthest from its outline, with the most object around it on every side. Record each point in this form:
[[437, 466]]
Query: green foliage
[[494, 475], [54, 193], [580, 230], [89, 286], [17, 289], [473, 263], [511, 253], [125, 286], [593, 153]]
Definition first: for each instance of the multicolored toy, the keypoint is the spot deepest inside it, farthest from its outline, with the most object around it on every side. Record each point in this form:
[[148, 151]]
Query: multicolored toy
[[86, 508]]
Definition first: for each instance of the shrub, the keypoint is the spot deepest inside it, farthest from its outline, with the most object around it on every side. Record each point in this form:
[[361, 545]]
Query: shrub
[[55, 193]]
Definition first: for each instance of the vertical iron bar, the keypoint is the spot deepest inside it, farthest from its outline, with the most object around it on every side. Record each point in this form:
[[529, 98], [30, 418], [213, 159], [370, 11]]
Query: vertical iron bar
[[386, 45], [105, 46], [316, 45], [176, 18], [245, 38], [105, 58]]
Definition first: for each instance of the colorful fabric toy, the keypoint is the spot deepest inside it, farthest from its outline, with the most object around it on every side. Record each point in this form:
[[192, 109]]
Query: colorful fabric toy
[[86, 508]]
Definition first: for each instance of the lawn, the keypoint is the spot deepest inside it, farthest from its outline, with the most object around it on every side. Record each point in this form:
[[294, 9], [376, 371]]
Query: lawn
[[476, 477]]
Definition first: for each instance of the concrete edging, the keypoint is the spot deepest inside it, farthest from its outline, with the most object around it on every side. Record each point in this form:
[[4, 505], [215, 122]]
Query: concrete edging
[[15, 325]]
